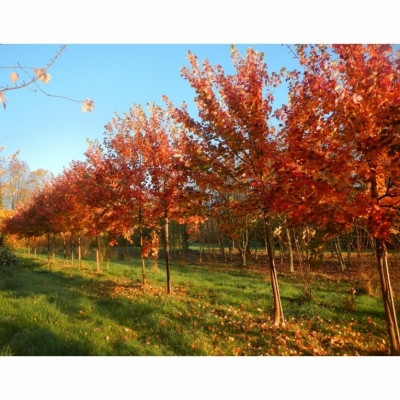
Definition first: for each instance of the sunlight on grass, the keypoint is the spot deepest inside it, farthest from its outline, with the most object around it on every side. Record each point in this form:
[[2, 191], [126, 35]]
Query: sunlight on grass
[[58, 310]]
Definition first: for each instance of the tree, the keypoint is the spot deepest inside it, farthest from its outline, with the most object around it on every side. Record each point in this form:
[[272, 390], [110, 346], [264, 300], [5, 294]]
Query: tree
[[144, 149], [34, 76], [232, 148], [18, 182], [342, 126]]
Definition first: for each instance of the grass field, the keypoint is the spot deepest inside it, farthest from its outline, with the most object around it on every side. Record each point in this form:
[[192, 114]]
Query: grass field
[[54, 310]]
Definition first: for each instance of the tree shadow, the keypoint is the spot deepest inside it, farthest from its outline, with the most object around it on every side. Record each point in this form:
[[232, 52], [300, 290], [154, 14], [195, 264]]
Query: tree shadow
[[30, 340]]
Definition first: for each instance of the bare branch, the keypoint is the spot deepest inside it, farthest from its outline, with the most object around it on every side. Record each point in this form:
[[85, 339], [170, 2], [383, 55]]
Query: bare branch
[[40, 74]]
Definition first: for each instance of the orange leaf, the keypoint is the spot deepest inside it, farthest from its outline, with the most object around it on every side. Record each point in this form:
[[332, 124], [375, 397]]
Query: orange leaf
[[14, 77], [42, 74]]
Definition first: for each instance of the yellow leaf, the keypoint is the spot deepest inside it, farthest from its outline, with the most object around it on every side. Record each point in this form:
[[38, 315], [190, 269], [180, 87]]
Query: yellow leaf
[[3, 100], [87, 105], [42, 74], [14, 77]]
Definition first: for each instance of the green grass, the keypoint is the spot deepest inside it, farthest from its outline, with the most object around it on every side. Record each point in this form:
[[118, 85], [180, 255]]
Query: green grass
[[58, 310]]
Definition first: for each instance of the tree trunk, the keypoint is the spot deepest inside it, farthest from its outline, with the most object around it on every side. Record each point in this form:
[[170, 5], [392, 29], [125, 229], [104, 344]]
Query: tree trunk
[[98, 253], [54, 247], [64, 248], [142, 258], [222, 247], [48, 249], [141, 247], [387, 297], [242, 256], [358, 238], [342, 266], [349, 254], [201, 250], [290, 250], [166, 251], [242, 245], [278, 310], [72, 250], [79, 251], [386, 288]]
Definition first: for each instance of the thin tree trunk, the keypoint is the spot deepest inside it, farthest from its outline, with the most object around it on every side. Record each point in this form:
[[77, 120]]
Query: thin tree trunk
[[64, 248], [255, 245], [222, 247], [342, 265], [202, 240], [278, 311], [141, 247], [387, 297], [373, 247], [290, 250], [98, 254], [72, 250], [166, 250], [358, 241], [54, 248], [349, 254], [212, 234], [207, 239], [386, 288], [142, 258], [79, 251], [48, 248]]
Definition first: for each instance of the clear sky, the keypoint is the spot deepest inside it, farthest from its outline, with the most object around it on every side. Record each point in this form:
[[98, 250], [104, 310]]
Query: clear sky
[[51, 132]]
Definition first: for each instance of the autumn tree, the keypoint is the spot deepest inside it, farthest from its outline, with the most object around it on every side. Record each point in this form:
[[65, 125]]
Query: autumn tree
[[342, 126], [231, 147], [32, 78], [146, 147], [18, 182]]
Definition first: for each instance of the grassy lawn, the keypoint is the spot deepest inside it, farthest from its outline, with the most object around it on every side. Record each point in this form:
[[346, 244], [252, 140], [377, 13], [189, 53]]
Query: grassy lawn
[[58, 310]]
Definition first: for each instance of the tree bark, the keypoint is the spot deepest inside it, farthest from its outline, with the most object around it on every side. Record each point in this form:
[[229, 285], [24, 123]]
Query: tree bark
[[278, 310], [386, 288], [166, 251], [79, 251], [98, 253], [54, 247], [141, 247], [290, 250], [48, 249], [342, 266], [387, 297], [64, 248]]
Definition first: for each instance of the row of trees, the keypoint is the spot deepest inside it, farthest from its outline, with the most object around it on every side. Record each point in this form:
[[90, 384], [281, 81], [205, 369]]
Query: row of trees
[[328, 158]]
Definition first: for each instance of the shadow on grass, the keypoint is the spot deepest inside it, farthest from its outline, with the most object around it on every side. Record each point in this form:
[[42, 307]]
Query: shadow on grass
[[156, 323], [30, 340]]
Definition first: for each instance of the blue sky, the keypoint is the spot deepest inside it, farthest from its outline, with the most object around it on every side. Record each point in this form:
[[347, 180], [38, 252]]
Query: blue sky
[[51, 132]]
